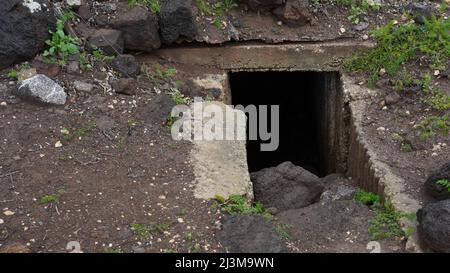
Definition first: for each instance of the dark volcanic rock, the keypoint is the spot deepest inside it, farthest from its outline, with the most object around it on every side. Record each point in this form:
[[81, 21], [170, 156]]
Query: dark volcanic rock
[[437, 191], [286, 186], [392, 98], [24, 28], [420, 12], [434, 226], [294, 13], [177, 21], [126, 65], [256, 5], [110, 41], [139, 27], [125, 86], [249, 234]]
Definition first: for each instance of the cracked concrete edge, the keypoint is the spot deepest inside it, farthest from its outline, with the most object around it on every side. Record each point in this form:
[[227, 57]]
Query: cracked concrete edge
[[220, 166], [391, 185]]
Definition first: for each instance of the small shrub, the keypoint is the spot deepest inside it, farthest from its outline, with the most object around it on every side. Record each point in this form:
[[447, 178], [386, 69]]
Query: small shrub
[[52, 198], [367, 198], [434, 124], [237, 204], [79, 132], [61, 45], [444, 183]]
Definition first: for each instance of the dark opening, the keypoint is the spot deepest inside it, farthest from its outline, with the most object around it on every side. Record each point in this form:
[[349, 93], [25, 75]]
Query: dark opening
[[309, 116]]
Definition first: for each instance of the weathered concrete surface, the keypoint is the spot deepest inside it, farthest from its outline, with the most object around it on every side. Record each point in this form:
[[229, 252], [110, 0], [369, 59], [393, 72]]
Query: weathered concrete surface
[[364, 165], [220, 166], [326, 56]]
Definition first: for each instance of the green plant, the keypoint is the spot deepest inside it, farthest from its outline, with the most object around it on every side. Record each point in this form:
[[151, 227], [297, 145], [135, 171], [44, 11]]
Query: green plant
[[51, 198], [98, 54], [177, 97], [438, 100], [121, 142], [61, 45], [13, 74], [434, 124], [444, 183], [145, 231], [367, 198], [283, 230], [170, 120], [399, 44], [111, 250], [237, 204], [217, 9], [194, 248], [443, 7], [84, 62], [79, 132], [159, 74], [406, 147], [385, 224], [153, 5]]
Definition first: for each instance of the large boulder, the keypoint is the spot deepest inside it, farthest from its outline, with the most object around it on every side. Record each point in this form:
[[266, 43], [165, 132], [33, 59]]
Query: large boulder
[[434, 226], [24, 26], [177, 21], [249, 234], [110, 41], [41, 88], [286, 187], [257, 5], [139, 26], [436, 190]]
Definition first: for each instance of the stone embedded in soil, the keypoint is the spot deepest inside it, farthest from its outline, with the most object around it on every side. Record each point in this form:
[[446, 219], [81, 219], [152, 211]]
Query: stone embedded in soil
[[110, 41], [74, 4], [286, 186], [294, 13], [23, 29], [435, 190], [177, 21], [82, 86], [341, 192], [392, 98], [126, 65], [41, 88], [249, 234], [139, 26], [434, 226], [126, 86]]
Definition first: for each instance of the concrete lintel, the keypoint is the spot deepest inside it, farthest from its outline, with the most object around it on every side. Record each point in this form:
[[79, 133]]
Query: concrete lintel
[[325, 56]]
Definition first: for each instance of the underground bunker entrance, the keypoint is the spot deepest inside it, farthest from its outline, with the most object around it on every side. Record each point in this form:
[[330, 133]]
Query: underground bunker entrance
[[311, 118]]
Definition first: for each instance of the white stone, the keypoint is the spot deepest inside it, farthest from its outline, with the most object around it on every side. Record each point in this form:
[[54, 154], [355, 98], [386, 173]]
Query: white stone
[[32, 5], [74, 3], [8, 213], [43, 89]]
